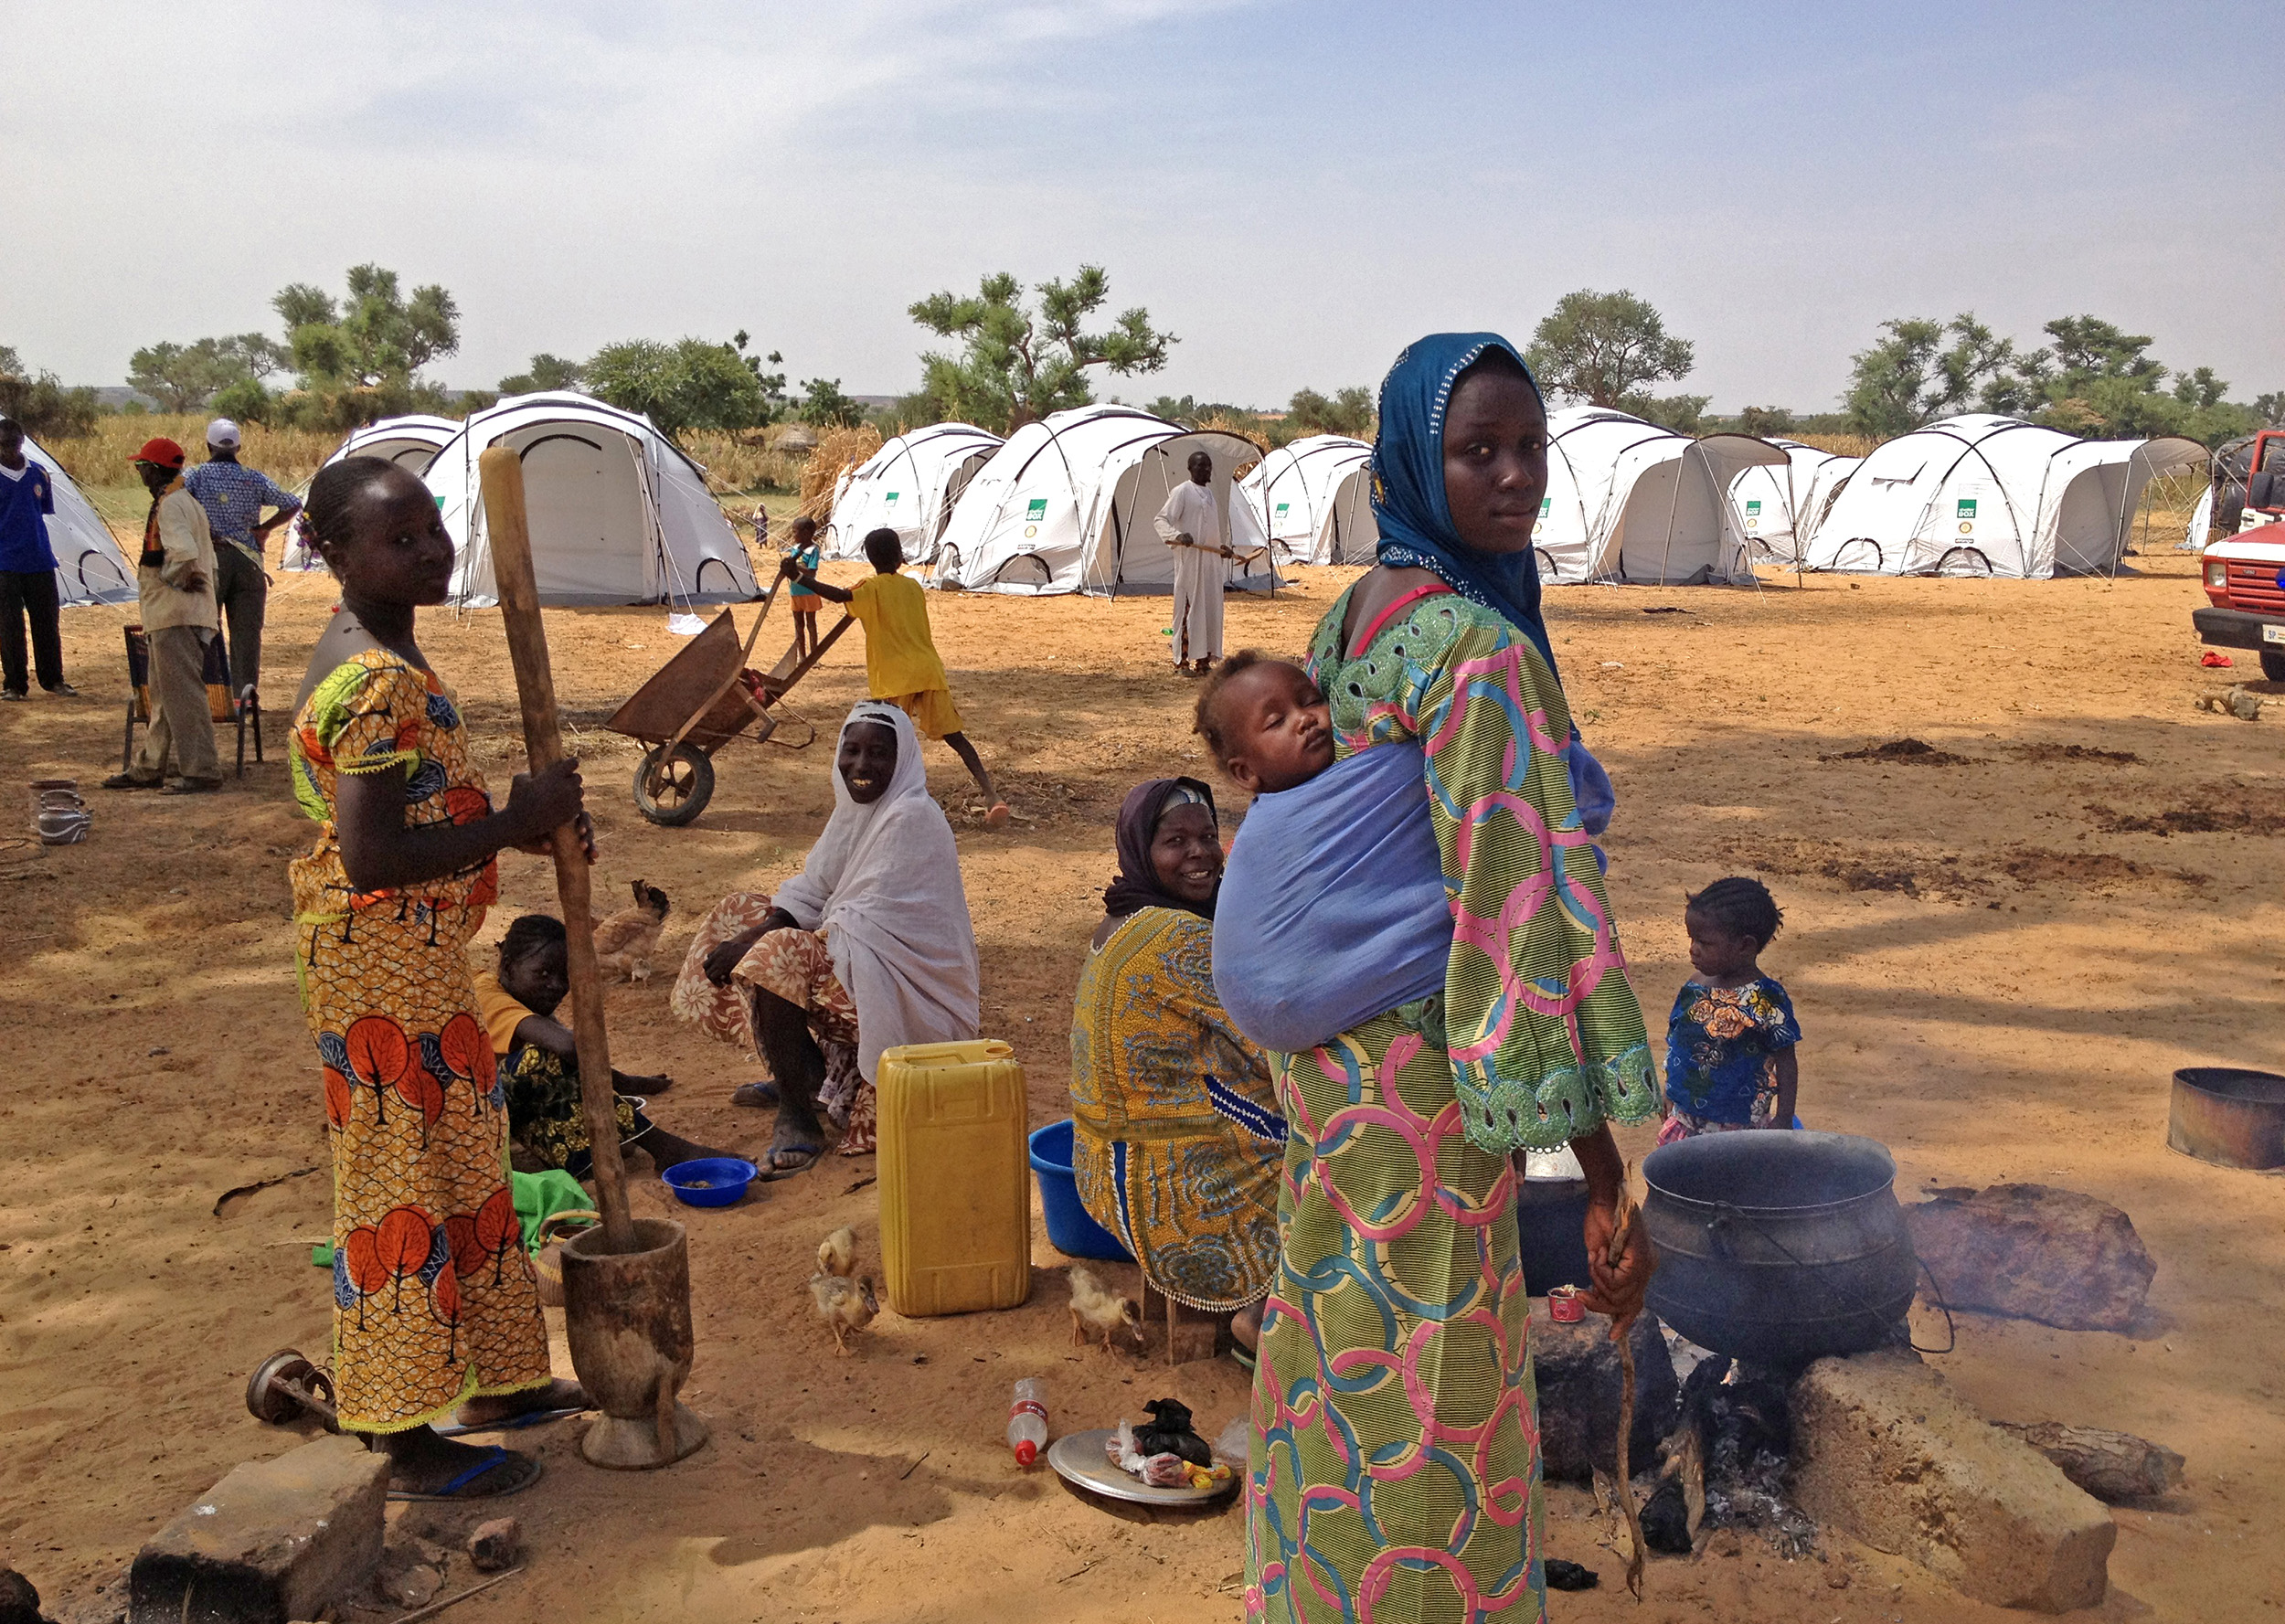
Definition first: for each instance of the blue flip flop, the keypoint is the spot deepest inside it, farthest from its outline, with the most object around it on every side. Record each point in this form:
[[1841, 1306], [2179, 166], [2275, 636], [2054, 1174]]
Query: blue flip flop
[[493, 1457]]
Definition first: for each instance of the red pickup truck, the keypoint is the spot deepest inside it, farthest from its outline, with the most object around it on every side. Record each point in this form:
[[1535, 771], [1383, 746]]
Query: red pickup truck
[[2245, 573]]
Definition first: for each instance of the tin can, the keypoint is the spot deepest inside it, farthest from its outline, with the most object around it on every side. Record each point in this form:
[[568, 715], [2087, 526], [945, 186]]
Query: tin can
[[1567, 1305]]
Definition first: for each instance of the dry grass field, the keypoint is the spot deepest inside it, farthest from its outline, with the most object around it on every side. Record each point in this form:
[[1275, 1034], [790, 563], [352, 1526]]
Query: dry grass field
[[1998, 961]]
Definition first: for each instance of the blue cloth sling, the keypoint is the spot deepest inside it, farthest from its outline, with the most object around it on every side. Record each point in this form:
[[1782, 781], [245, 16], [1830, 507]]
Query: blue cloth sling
[[1332, 907]]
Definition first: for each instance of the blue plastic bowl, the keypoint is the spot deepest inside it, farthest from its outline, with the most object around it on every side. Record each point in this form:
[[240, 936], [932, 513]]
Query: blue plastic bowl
[[711, 1181], [1069, 1228]]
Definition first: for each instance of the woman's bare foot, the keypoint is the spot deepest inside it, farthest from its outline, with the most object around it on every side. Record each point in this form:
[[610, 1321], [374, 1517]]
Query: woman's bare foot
[[1244, 1327], [557, 1395]]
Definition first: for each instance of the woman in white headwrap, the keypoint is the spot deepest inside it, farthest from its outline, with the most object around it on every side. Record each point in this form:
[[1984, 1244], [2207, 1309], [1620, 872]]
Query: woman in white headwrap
[[868, 947]]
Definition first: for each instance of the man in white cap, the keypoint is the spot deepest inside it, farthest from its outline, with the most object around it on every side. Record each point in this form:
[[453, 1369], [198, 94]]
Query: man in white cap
[[234, 496]]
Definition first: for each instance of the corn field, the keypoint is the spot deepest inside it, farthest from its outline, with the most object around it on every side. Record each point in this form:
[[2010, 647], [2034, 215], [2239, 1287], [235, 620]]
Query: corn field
[[290, 456]]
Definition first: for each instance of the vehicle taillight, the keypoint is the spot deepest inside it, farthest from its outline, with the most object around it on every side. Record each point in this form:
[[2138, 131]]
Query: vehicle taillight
[[2217, 572]]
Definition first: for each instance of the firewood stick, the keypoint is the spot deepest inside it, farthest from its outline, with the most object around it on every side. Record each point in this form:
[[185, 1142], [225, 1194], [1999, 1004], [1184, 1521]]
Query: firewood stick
[[1626, 1387], [509, 531]]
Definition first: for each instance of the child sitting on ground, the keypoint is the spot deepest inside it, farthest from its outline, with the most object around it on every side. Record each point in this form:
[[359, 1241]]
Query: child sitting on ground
[[539, 1066], [902, 666], [1333, 905], [1731, 1040]]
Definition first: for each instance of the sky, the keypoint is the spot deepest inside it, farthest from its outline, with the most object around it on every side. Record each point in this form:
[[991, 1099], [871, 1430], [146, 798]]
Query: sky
[[1294, 190]]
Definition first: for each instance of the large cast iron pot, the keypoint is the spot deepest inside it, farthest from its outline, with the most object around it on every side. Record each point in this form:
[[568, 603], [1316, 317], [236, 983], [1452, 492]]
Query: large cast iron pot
[[1779, 1247]]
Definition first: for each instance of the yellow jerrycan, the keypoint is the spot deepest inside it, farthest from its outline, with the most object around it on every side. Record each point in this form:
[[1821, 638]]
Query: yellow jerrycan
[[955, 1191]]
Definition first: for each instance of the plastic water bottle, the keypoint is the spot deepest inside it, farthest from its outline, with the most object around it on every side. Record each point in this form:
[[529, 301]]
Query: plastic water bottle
[[1027, 1421]]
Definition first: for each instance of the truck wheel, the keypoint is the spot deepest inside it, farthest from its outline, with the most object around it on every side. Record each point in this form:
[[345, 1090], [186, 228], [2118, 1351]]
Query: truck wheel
[[674, 789], [2273, 664]]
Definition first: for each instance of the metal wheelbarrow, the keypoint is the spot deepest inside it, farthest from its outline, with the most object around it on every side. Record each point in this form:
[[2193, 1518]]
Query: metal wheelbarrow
[[700, 700]]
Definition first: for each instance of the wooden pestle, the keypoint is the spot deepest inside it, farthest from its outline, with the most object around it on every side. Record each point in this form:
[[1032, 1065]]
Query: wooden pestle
[[509, 530]]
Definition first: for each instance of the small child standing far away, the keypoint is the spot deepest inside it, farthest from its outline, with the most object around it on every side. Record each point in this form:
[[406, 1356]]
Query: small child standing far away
[[804, 553], [1731, 1040], [902, 666]]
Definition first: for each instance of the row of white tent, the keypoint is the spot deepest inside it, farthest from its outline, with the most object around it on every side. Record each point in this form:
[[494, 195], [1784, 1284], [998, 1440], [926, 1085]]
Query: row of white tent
[[620, 514]]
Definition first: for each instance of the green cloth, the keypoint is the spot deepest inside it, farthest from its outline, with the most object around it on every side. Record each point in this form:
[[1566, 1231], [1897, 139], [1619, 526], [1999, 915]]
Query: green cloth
[[539, 1197]]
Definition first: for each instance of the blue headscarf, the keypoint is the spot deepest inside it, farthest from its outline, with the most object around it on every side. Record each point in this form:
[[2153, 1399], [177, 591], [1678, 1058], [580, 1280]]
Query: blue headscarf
[[1416, 521]]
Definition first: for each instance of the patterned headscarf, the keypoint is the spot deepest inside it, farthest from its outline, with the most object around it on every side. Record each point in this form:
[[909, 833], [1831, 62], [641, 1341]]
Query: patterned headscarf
[[1136, 886], [1416, 521]]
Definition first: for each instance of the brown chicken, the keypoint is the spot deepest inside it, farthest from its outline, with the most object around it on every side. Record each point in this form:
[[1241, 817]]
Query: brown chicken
[[624, 942]]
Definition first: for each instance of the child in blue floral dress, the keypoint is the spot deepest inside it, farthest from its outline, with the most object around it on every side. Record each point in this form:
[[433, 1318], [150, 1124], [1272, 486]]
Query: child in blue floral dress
[[1731, 1040]]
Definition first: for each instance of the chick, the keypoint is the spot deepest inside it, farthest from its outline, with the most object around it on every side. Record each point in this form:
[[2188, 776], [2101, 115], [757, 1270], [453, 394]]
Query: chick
[[624, 942], [1095, 1307], [845, 1305], [836, 1254]]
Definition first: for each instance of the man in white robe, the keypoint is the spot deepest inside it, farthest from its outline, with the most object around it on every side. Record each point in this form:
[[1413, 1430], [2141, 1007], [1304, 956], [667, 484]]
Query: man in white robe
[[1191, 522]]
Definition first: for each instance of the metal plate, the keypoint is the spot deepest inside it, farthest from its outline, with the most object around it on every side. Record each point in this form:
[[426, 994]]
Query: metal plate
[[1079, 1459]]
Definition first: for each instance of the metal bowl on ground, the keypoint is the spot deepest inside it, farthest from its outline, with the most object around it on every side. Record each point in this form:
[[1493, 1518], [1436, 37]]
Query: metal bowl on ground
[[2227, 1115], [1779, 1247]]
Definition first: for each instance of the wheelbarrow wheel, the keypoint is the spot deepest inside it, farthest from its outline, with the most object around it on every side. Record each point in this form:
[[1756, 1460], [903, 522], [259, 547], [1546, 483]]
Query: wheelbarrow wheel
[[673, 788]]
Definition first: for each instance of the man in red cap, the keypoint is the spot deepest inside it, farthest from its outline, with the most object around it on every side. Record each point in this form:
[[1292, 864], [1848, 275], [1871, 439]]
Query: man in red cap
[[176, 584]]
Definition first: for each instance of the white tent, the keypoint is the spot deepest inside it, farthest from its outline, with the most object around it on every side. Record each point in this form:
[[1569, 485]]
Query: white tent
[[1992, 496], [1775, 506], [619, 515], [1628, 501], [411, 442], [909, 486], [90, 566], [1066, 505], [1314, 500]]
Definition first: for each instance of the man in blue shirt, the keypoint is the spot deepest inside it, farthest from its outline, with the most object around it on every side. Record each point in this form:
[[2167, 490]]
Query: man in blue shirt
[[28, 572], [234, 496]]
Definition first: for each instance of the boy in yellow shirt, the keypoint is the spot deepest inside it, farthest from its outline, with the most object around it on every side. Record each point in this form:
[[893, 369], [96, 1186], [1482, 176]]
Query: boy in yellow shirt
[[901, 665]]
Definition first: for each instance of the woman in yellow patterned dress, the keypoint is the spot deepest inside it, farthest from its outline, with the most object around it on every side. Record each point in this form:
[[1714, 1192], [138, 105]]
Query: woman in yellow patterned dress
[[1395, 1471], [435, 1305], [1175, 1136]]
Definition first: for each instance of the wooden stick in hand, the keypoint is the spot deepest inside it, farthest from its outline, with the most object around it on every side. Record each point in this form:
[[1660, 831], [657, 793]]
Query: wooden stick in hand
[[510, 534], [1621, 1334]]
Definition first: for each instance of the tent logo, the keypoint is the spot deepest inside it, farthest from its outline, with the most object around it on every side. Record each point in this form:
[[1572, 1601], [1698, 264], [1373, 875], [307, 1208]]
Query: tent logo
[[890, 499], [1038, 512], [1282, 508], [1546, 506], [1753, 515], [1751, 507], [1967, 516]]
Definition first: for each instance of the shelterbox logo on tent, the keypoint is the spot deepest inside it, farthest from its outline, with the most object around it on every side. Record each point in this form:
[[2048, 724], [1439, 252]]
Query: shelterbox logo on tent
[[1967, 515], [1753, 513], [1037, 512]]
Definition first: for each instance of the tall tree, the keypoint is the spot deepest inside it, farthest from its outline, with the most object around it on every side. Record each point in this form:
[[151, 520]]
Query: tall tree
[[824, 405], [1602, 347], [692, 383], [1017, 364], [1911, 377], [545, 372], [373, 336], [188, 376], [40, 403]]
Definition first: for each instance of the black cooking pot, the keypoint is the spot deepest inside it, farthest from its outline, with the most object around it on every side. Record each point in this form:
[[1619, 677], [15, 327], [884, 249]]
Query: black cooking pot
[[1781, 1247]]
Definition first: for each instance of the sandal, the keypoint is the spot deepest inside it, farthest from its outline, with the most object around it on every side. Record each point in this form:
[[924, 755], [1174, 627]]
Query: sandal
[[524, 1471], [809, 1154]]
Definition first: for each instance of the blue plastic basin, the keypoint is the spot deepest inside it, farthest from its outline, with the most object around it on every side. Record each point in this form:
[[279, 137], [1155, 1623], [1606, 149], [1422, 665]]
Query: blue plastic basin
[[1069, 1228], [711, 1181]]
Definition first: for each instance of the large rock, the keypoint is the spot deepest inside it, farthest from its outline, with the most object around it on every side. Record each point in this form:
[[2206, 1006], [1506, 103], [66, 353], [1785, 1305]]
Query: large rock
[[19, 1602], [2039, 1252], [1578, 1371], [274, 1539], [1884, 1448]]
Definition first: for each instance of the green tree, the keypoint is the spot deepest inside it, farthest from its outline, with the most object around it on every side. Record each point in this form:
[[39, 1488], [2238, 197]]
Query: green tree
[[40, 403], [1016, 365], [2270, 408], [1685, 414], [1911, 377], [1350, 412], [1603, 348], [824, 405], [374, 336], [1765, 421], [547, 372], [188, 376], [692, 383]]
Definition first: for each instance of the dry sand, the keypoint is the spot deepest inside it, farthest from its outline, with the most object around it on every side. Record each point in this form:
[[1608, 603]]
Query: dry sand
[[1996, 977]]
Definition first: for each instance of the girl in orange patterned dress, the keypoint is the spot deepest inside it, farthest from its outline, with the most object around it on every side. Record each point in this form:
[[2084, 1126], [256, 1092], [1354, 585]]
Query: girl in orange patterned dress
[[435, 1306]]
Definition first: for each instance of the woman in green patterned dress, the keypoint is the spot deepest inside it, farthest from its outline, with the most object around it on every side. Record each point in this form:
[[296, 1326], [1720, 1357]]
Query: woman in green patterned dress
[[1396, 1466]]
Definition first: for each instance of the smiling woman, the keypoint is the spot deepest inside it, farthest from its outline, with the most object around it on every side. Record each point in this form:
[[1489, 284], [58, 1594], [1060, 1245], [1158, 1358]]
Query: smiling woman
[[1175, 1133]]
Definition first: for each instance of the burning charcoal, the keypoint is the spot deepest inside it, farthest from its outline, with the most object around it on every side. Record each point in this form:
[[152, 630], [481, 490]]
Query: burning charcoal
[[1570, 1575], [1666, 1521]]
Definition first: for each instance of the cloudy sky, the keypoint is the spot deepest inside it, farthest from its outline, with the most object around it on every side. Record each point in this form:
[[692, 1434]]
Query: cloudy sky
[[1293, 189]]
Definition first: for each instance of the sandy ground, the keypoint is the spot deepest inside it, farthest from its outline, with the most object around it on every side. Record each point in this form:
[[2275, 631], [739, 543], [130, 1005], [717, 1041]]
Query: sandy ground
[[1996, 973]]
